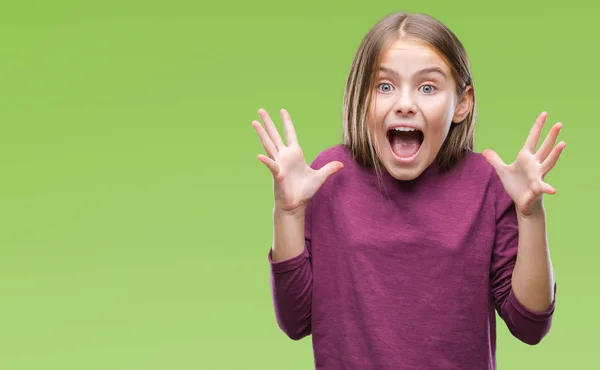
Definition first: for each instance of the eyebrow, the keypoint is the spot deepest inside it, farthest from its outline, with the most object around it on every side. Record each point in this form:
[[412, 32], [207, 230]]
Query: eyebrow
[[421, 72]]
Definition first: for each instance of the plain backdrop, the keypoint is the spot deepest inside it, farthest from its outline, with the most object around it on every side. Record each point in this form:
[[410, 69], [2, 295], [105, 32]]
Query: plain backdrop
[[135, 219]]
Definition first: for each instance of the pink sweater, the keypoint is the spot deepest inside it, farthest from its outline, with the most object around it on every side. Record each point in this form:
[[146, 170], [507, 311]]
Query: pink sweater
[[407, 280]]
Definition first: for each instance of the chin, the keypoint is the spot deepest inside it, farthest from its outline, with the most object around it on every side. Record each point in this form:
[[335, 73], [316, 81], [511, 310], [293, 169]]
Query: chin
[[404, 173]]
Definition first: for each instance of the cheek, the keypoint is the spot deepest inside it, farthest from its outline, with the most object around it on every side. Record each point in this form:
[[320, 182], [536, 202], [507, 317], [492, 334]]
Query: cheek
[[383, 108], [438, 110], [377, 106]]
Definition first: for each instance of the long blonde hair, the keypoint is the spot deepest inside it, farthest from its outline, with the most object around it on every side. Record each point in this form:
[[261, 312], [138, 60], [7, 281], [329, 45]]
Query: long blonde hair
[[362, 77]]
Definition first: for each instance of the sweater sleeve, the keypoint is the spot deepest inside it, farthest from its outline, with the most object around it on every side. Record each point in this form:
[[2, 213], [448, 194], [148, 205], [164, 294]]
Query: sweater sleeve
[[528, 326], [291, 289]]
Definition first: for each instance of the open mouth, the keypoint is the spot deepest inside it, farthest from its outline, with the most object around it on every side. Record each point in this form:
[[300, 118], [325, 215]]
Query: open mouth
[[405, 142]]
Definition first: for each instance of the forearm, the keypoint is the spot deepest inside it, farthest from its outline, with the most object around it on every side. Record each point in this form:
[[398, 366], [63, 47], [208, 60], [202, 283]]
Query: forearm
[[291, 274], [533, 276], [288, 234]]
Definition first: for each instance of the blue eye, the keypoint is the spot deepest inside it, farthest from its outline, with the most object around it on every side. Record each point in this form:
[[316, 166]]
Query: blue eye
[[428, 89], [385, 83]]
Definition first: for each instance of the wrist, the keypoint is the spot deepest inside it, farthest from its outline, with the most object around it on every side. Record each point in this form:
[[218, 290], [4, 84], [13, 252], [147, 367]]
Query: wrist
[[534, 211], [297, 212], [534, 214]]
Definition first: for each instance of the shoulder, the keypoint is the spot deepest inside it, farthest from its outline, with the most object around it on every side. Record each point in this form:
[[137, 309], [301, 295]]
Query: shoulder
[[475, 168], [476, 164], [351, 179], [475, 175], [334, 153]]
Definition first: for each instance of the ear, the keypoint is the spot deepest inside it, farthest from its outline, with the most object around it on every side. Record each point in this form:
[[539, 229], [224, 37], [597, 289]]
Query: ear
[[464, 105]]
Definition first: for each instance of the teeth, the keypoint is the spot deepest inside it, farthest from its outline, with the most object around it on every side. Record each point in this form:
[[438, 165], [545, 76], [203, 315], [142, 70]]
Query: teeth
[[404, 129]]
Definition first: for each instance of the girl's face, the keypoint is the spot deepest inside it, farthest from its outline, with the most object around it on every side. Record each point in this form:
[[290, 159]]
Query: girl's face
[[414, 103]]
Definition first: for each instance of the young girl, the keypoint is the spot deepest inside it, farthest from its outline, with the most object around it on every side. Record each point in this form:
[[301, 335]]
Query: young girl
[[395, 248]]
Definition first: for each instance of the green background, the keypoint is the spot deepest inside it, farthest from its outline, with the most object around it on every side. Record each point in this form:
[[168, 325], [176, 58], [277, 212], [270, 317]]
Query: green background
[[135, 219]]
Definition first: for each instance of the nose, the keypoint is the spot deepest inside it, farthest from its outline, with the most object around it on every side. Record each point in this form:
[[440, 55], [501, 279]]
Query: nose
[[405, 103]]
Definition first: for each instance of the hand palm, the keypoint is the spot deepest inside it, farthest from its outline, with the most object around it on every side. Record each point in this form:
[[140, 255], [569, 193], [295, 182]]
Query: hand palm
[[523, 180], [294, 181]]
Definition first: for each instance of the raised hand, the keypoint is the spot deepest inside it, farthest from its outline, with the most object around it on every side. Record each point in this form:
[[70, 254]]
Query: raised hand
[[523, 179], [294, 181]]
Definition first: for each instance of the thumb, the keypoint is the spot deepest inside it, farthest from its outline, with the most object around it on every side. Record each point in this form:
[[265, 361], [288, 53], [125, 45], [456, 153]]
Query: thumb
[[493, 158], [329, 169]]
